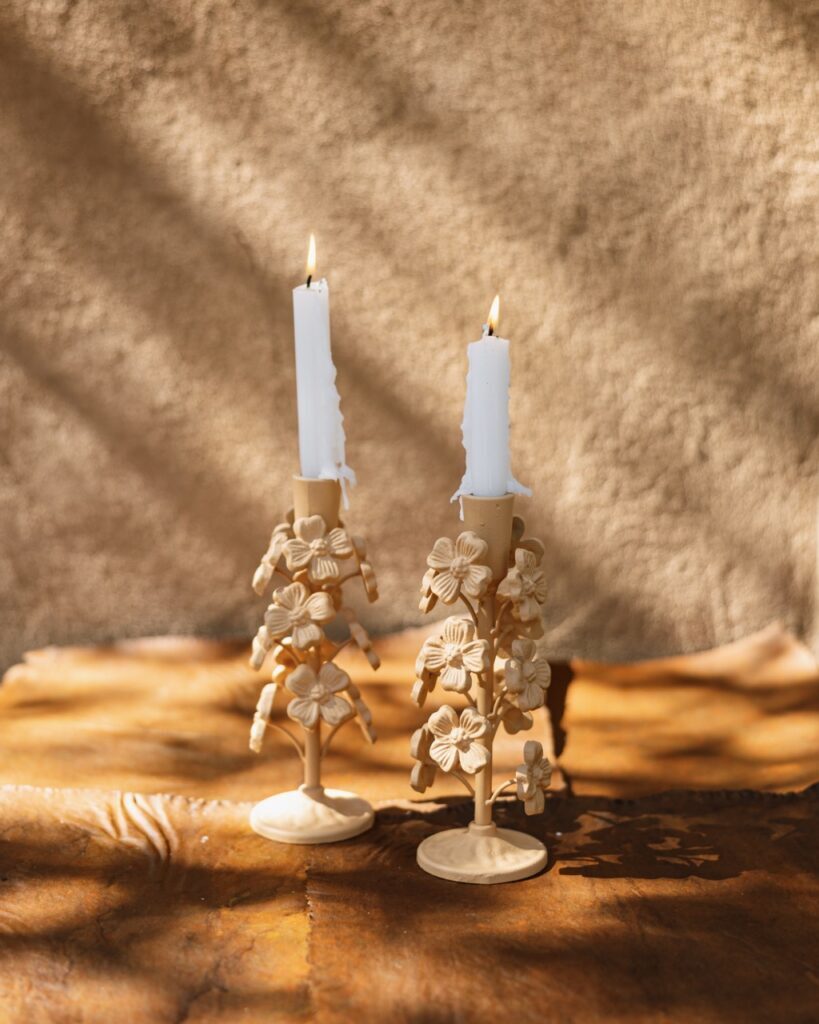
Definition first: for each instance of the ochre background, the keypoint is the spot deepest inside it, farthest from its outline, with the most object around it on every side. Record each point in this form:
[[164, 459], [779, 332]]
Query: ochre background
[[638, 181]]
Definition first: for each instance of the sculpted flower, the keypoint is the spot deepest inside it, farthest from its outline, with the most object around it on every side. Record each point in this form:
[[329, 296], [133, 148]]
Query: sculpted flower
[[458, 567], [527, 675], [532, 777], [363, 713], [422, 687], [455, 740], [369, 580], [317, 550], [525, 586], [316, 695], [270, 559], [455, 654], [514, 720], [519, 541], [423, 773], [261, 719], [297, 612]]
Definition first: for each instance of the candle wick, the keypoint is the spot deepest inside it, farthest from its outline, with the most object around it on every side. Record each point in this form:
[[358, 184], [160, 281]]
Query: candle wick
[[491, 330], [309, 279]]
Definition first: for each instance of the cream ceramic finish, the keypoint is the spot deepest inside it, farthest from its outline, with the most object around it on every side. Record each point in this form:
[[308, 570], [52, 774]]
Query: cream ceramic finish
[[482, 855], [494, 572], [313, 555], [310, 815]]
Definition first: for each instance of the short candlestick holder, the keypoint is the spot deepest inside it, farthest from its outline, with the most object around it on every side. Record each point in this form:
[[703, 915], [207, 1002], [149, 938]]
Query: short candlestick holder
[[315, 556], [490, 658]]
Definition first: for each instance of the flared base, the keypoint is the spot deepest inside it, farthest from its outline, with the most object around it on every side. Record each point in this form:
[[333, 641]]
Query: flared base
[[310, 815], [482, 855]]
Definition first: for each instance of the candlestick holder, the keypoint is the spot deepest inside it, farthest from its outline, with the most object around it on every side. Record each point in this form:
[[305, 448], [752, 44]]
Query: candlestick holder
[[315, 555], [491, 660]]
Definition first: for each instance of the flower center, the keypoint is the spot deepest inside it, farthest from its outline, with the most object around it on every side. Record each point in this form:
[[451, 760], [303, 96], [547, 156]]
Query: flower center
[[452, 654], [458, 738], [320, 547], [459, 567], [316, 692]]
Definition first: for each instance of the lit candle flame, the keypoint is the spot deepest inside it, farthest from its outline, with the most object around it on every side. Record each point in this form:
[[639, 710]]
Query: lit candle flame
[[311, 257], [494, 312]]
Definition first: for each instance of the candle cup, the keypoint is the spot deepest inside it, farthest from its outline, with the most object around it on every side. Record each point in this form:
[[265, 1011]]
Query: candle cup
[[494, 573], [314, 555]]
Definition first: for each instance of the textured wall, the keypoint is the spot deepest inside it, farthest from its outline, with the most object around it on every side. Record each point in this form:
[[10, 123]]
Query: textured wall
[[637, 180]]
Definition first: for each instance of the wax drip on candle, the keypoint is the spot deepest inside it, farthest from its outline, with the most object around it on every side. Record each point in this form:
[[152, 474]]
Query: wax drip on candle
[[485, 424]]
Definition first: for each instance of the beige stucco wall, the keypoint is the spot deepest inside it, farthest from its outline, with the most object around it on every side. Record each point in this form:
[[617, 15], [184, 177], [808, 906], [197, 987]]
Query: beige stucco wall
[[639, 182]]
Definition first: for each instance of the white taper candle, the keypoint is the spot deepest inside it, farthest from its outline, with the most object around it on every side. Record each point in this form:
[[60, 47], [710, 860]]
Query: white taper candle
[[321, 429]]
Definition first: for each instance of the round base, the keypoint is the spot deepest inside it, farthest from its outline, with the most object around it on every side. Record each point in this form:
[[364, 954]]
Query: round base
[[482, 855], [311, 814]]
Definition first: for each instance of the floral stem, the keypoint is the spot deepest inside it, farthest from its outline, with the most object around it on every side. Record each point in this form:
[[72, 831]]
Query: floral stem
[[462, 778], [289, 735], [349, 576], [326, 745], [499, 790], [470, 609]]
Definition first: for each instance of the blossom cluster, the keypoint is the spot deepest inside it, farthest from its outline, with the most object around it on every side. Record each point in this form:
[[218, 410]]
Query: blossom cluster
[[460, 660], [315, 562]]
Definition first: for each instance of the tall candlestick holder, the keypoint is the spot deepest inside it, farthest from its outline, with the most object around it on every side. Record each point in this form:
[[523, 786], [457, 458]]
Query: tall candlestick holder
[[315, 556], [491, 660]]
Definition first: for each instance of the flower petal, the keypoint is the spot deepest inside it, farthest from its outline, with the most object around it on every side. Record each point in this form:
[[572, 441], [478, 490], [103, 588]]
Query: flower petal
[[432, 654], [532, 752], [455, 678], [335, 709], [446, 587], [277, 621], [304, 710], [324, 567], [339, 542], [473, 758], [524, 649], [470, 546], [532, 697], [443, 551], [475, 655], [332, 678], [444, 753], [420, 744], [443, 721], [297, 554], [422, 777], [301, 680], [306, 634], [513, 674], [477, 580], [457, 630], [535, 546], [420, 690], [535, 803], [291, 597], [310, 528], [473, 723], [320, 608]]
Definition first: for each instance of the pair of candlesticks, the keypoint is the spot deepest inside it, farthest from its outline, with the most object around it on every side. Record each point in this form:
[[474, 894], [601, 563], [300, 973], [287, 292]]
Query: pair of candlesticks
[[487, 656]]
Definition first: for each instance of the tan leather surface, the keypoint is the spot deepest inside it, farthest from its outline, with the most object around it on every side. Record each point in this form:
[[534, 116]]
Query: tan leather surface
[[132, 888]]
